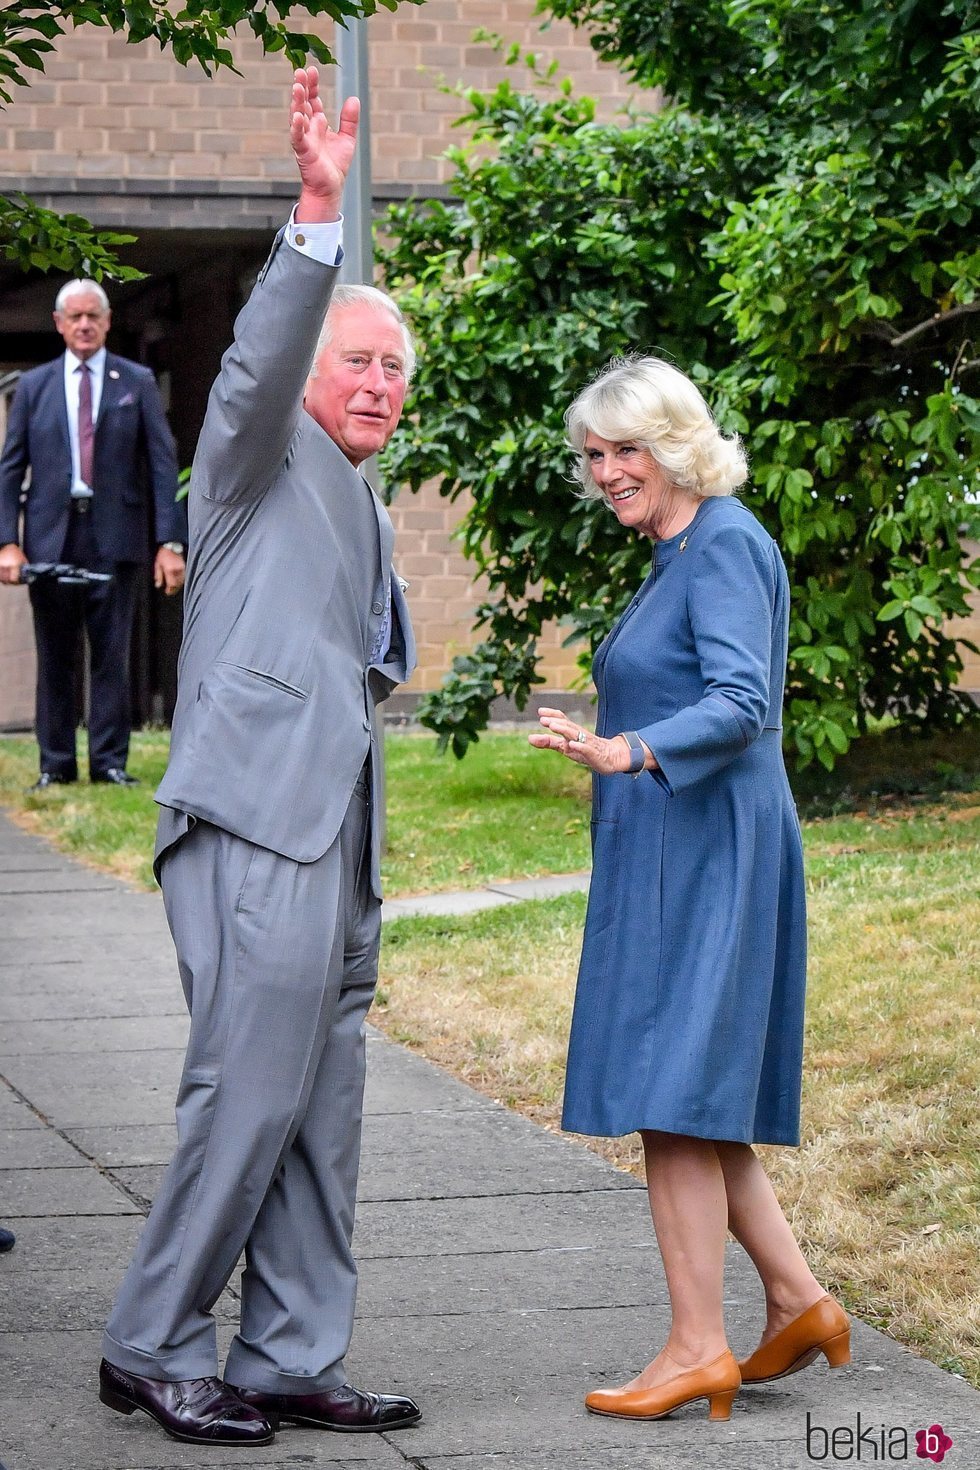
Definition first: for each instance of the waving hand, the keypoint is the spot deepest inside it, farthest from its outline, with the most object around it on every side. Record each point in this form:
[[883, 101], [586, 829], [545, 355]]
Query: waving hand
[[322, 155]]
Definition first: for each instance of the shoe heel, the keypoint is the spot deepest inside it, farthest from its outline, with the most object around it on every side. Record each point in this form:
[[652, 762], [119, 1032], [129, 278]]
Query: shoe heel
[[720, 1404], [837, 1350], [116, 1401]]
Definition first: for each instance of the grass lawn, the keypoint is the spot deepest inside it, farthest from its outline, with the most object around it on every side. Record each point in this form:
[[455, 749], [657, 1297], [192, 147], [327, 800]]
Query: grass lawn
[[443, 831], [885, 1191]]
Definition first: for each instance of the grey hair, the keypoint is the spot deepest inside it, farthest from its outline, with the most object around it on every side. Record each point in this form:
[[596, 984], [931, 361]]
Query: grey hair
[[650, 403], [78, 288], [355, 295]]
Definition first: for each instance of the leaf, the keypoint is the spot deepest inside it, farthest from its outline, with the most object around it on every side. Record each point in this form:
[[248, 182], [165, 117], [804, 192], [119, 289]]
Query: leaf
[[893, 609]]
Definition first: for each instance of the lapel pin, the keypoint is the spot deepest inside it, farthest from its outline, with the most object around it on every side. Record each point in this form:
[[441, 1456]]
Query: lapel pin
[[683, 545], [113, 373]]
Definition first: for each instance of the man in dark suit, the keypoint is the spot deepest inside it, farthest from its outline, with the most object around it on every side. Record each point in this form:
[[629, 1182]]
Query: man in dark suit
[[91, 429]]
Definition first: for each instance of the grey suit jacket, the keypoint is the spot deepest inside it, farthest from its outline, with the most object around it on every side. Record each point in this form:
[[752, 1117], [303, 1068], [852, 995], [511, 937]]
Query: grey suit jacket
[[287, 576]]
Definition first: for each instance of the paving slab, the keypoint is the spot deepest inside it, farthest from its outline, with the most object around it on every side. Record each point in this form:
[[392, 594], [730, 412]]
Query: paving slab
[[133, 1145], [131, 952], [551, 887], [43, 860], [57, 1243], [495, 1152], [15, 1113], [60, 1192], [71, 991], [478, 1283], [473, 900], [71, 1088], [56, 1301], [437, 905], [100, 1034], [404, 1083], [24, 1148], [518, 1222], [47, 881]]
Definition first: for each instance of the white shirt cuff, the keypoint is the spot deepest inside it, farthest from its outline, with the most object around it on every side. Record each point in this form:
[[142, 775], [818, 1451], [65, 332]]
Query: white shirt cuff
[[320, 242]]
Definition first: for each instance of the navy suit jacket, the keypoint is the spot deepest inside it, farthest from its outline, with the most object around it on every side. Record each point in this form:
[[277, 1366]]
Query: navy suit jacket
[[135, 462]]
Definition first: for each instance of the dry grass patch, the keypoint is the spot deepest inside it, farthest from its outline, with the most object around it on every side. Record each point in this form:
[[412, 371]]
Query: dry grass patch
[[885, 1189]]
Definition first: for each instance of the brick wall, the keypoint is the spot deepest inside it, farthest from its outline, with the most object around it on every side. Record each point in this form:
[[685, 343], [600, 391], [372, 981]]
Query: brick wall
[[443, 595], [107, 110], [970, 628]]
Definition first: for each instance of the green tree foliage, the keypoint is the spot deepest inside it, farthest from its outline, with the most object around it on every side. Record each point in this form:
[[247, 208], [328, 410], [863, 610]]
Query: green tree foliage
[[29, 30], [797, 230]]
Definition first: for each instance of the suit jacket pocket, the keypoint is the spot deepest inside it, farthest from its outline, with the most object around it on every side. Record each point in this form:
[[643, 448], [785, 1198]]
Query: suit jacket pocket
[[272, 681]]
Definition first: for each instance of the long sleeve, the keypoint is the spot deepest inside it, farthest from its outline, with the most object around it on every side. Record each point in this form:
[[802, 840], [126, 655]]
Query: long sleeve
[[731, 601], [169, 521], [13, 465], [255, 405]]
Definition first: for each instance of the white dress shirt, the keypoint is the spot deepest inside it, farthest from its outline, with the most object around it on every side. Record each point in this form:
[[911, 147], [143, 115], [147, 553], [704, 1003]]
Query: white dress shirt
[[73, 383], [320, 242]]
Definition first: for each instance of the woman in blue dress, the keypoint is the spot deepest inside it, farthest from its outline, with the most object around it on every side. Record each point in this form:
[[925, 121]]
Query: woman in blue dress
[[688, 1019]]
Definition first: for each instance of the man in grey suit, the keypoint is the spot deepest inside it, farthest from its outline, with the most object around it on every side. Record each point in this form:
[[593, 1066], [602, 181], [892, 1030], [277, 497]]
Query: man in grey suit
[[267, 851]]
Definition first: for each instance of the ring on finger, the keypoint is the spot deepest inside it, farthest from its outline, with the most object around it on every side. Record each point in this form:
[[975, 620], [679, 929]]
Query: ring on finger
[[580, 738]]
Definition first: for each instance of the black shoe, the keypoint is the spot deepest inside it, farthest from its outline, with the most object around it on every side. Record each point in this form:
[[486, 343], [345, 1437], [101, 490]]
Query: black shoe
[[50, 778], [194, 1410], [7, 1238], [349, 1410], [115, 776]]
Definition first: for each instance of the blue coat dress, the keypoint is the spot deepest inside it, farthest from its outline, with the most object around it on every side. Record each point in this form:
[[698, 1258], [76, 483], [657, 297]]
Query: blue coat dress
[[689, 1007]]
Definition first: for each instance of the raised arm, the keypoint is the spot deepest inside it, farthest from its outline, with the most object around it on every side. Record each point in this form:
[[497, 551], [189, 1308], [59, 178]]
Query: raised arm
[[257, 399]]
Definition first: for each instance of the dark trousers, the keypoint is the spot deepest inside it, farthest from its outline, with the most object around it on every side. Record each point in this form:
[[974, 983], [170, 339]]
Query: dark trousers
[[105, 613]]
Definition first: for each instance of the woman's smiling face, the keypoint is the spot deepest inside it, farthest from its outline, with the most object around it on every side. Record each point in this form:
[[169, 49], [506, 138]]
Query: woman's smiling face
[[632, 482]]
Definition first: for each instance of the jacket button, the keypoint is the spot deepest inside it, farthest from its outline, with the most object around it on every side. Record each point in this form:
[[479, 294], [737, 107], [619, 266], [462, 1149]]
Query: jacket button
[[377, 608]]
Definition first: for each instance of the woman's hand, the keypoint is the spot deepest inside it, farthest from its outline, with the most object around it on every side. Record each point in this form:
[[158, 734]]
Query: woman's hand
[[606, 757]]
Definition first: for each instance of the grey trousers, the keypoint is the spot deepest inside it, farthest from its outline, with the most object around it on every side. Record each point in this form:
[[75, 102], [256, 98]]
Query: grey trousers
[[278, 961]]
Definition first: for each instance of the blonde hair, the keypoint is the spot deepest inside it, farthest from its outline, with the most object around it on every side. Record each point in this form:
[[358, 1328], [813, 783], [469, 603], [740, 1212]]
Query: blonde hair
[[648, 402]]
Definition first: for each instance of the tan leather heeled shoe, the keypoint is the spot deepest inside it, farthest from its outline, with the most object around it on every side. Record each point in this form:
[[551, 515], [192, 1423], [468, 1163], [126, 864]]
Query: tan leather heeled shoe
[[822, 1328], [717, 1382]]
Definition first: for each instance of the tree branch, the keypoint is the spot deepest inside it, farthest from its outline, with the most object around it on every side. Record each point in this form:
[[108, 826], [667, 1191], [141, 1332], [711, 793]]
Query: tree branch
[[888, 333]]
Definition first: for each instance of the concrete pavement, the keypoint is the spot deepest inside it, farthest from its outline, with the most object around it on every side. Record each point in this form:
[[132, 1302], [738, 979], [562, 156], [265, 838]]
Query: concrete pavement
[[503, 1270]]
